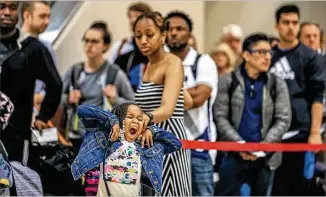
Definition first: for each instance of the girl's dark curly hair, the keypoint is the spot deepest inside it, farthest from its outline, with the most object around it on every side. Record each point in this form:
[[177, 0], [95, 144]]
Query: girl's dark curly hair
[[121, 112]]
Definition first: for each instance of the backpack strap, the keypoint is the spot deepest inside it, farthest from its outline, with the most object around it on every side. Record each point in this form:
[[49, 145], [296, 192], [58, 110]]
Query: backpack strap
[[233, 86], [123, 42], [273, 82], [112, 74], [194, 66], [75, 74]]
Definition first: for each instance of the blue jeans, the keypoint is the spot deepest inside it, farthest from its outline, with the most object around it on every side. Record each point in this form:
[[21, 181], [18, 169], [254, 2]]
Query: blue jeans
[[234, 172], [202, 177]]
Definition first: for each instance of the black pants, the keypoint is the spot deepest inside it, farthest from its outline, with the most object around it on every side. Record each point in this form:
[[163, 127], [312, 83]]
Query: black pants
[[234, 172], [289, 178]]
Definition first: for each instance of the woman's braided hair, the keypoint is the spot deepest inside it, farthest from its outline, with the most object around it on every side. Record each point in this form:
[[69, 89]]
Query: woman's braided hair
[[121, 112], [156, 17]]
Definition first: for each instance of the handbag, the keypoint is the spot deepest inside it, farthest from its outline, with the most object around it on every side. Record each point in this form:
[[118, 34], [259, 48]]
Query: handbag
[[53, 162]]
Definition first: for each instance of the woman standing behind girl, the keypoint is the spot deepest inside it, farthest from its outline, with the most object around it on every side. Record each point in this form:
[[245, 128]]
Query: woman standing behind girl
[[162, 96]]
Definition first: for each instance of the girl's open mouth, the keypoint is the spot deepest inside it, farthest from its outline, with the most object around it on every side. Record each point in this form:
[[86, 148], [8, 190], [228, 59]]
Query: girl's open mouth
[[133, 131]]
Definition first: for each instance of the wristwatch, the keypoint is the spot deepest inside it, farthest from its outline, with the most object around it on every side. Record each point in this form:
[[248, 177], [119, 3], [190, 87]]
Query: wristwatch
[[150, 118]]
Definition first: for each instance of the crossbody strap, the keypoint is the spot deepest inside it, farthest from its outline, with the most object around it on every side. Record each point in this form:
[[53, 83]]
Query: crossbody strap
[[105, 183]]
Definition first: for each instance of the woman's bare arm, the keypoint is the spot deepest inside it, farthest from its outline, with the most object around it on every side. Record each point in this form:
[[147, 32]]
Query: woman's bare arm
[[172, 87]]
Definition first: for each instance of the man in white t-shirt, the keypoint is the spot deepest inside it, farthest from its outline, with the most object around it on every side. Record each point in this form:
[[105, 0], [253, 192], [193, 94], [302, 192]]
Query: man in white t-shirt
[[125, 45], [201, 82]]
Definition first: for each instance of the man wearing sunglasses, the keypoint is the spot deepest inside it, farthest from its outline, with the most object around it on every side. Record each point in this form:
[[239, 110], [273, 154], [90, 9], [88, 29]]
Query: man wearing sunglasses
[[253, 106]]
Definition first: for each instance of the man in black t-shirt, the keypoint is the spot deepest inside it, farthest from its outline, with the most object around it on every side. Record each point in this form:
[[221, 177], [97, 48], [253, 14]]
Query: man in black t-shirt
[[303, 70]]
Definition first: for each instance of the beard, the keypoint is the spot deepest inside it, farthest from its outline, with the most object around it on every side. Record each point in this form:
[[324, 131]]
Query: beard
[[37, 30], [177, 46], [6, 30]]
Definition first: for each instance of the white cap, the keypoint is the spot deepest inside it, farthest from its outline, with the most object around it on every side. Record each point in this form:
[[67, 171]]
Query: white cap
[[234, 30]]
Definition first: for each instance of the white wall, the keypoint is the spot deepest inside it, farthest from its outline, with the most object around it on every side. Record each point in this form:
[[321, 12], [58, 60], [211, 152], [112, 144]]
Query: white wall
[[69, 48], [254, 16], [208, 17]]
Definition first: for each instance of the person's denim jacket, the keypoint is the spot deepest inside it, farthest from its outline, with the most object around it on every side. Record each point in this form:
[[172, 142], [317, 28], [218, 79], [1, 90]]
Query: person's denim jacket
[[96, 146]]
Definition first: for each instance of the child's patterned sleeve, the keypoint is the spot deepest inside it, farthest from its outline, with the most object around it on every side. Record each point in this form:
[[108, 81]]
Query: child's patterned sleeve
[[6, 109]]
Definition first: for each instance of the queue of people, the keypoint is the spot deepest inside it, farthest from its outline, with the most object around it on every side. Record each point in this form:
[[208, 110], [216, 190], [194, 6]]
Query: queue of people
[[125, 116]]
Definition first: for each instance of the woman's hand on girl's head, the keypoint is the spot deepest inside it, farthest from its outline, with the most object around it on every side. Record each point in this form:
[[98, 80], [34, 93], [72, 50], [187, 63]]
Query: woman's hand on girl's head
[[147, 137], [115, 132]]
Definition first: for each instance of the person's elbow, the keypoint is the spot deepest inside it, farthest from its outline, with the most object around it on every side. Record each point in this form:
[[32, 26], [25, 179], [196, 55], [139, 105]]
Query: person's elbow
[[283, 115], [174, 145], [318, 99], [59, 86], [81, 110], [317, 91], [285, 122], [54, 89], [178, 145], [188, 104]]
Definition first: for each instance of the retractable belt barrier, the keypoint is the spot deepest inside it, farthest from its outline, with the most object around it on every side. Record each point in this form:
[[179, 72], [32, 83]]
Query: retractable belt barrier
[[249, 146]]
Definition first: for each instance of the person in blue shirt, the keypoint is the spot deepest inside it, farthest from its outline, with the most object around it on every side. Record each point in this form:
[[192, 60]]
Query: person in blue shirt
[[253, 106]]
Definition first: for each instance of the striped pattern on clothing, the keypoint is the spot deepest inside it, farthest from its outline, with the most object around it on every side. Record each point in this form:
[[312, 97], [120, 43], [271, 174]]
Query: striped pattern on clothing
[[177, 166]]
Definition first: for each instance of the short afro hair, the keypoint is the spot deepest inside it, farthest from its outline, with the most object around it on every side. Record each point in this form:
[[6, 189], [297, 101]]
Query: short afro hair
[[179, 14]]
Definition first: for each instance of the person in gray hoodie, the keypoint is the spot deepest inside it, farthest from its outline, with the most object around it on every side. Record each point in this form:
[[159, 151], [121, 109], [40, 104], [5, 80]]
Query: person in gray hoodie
[[253, 106]]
